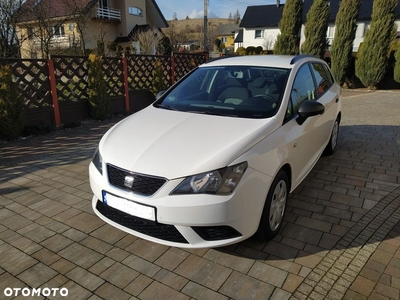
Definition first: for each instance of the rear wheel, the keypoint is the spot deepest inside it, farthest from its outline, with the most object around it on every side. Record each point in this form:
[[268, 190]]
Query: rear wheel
[[333, 141], [274, 208]]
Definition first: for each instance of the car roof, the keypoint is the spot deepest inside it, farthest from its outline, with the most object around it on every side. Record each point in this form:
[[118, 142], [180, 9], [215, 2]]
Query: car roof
[[278, 61]]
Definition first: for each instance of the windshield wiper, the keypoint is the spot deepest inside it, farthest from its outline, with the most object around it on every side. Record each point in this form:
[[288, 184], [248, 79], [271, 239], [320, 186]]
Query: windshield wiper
[[166, 107]]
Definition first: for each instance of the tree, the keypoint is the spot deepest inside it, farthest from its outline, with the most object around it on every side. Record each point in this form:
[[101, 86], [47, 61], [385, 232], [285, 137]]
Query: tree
[[100, 37], [11, 104], [315, 29], [9, 46], [43, 28], [164, 46], [342, 45], [97, 88], [176, 38], [397, 64], [148, 40], [236, 17], [82, 17], [230, 16], [373, 57], [290, 25], [269, 40]]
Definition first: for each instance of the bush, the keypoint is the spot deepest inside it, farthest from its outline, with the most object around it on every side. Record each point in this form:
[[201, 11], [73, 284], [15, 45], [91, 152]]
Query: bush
[[373, 57], [241, 51], [397, 64], [11, 106], [315, 29], [345, 32], [286, 44], [250, 50], [259, 50], [290, 24], [158, 83], [99, 103]]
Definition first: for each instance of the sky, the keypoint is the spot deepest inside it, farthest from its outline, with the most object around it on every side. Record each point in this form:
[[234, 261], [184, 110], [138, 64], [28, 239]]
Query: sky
[[216, 8]]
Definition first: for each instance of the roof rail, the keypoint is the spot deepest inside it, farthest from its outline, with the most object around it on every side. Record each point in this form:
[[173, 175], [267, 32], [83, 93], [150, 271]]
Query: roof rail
[[298, 57]]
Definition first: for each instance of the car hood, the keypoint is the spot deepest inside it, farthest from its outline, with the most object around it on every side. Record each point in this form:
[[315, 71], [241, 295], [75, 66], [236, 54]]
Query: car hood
[[174, 144]]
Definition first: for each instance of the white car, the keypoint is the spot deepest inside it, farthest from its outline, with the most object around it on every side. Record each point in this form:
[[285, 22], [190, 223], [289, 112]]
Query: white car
[[212, 161]]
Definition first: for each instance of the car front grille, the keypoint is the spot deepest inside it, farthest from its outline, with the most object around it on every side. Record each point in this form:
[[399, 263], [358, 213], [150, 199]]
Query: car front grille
[[142, 184], [150, 228]]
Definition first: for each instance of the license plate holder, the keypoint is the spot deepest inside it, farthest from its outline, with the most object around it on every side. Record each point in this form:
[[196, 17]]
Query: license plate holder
[[129, 207]]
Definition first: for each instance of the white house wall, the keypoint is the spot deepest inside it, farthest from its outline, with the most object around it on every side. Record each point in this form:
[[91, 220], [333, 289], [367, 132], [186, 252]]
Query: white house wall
[[360, 33], [269, 37]]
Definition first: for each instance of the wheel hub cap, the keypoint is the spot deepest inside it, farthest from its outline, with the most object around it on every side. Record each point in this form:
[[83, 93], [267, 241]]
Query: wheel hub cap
[[278, 204]]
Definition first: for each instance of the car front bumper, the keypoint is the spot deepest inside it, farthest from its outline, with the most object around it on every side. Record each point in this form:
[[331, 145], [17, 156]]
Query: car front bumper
[[186, 221]]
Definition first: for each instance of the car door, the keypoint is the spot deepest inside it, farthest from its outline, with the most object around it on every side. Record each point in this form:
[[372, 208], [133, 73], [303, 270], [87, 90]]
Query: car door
[[327, 94], [312, 134]]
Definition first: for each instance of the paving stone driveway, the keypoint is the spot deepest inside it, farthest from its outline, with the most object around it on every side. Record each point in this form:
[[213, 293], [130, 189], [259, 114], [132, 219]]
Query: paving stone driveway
[[341, 237]]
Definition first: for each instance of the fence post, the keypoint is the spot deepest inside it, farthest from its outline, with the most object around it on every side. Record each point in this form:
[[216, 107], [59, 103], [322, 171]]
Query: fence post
[[53, 89], [126, 87], [207, 57], [172, 68]]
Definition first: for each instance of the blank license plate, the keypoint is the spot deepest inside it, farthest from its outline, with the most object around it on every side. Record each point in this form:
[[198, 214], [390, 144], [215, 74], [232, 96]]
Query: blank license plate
[[129, 207]]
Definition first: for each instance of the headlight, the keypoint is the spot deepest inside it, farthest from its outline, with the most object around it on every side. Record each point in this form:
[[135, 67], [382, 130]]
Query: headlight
[[97, 160], [219, 182]]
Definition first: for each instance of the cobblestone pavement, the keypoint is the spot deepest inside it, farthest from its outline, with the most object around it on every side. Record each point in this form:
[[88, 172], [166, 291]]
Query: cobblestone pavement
[[340, 240]]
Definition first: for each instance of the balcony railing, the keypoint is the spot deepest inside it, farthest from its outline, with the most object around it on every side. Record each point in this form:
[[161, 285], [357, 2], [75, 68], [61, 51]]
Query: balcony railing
[[109, 14]]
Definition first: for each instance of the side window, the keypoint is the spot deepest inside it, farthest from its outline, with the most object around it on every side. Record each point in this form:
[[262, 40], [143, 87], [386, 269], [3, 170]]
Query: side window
[[329, 73], [321, 78], [303, 87]]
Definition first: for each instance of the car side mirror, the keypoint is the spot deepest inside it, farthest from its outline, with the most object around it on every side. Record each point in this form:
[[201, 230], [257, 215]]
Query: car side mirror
[[159, 94], [308, 109]]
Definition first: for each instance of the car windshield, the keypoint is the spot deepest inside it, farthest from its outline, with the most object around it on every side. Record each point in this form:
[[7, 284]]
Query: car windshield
[[236, 91]]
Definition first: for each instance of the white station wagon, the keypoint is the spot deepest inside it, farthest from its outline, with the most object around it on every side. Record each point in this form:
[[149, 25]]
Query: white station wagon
[[212, 161]]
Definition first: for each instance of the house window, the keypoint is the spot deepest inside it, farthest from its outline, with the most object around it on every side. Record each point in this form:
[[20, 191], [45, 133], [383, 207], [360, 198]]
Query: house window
[[258, 34], [71, 26], [135, 11], [58, 30], [330, 32], [223, 39]]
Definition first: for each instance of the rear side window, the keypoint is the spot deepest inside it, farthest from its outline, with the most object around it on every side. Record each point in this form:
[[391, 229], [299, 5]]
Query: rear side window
[[322, 79], [329, 73]]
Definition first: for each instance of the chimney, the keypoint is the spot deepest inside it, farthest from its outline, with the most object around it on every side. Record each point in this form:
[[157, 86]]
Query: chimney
[[278, 3]]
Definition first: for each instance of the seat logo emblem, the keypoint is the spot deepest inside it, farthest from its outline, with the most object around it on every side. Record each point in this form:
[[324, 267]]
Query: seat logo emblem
[[128, 182]]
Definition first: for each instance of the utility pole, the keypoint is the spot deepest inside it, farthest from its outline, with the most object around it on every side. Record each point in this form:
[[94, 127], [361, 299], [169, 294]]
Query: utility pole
[[205, 25]]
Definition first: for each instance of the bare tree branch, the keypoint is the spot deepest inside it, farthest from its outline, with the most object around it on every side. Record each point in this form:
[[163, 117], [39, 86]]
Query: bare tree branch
[[147, 40], [9, 43]]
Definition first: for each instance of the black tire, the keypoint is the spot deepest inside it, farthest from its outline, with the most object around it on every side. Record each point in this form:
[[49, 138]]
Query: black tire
[[333, 140], [274, 208]]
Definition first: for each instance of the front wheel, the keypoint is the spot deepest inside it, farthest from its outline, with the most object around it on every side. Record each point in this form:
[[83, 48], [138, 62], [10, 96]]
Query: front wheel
[[333, 141], [274, 208]]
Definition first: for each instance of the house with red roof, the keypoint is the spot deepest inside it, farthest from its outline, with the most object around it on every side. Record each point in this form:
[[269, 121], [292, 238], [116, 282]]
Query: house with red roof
[[51, 26]]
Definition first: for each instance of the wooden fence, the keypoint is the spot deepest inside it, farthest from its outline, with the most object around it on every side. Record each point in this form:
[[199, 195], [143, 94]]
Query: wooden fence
[[55, 90]]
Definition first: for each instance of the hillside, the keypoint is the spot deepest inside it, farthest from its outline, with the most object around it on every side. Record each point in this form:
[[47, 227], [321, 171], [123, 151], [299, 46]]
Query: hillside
[[181, 31]]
